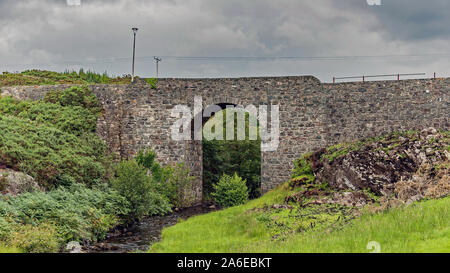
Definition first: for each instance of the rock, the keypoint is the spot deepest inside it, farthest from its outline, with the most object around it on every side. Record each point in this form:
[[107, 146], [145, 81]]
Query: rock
[[212, 207], [276, 206], [15, 183], [349, 199], [380, 164], [73, 247], [428, 131]]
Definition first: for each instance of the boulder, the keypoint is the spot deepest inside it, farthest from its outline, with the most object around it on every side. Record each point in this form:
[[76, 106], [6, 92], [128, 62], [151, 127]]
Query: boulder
[[381, 164], [73, 247], [14, 183]]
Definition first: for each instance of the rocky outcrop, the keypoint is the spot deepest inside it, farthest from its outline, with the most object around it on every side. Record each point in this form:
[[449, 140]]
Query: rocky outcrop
[[379, 164], [14, 183]]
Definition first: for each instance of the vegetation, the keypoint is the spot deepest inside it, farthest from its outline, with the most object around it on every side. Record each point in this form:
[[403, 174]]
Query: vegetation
[[75, 96], [86, 193], [43, 77], [422, 227], [132, 182], [54, 142], [152, 82], [306, 215], [230, 191], [81, 77], [303, 170], [174, 183], [232, 156], [40, 222]]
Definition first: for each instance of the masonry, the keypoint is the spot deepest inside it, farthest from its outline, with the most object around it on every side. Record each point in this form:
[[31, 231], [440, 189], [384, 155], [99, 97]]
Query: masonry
[[312, 114]]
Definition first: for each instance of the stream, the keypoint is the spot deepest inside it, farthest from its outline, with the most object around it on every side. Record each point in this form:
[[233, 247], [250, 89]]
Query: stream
[[140, 236]]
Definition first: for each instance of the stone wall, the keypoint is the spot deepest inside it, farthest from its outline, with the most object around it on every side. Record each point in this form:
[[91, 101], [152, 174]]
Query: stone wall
[[312, 115]]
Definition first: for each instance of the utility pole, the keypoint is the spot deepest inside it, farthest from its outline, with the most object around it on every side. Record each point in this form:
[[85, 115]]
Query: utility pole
[[157, 59], [135, 30]]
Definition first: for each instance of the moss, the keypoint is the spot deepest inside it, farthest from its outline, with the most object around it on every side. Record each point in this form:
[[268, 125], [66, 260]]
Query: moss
[[336, 151], [302, 166], [444, 166], [152, 82], [371, 195]]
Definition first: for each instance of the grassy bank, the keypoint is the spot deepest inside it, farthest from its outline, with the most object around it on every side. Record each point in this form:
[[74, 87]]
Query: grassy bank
[[421, 227]]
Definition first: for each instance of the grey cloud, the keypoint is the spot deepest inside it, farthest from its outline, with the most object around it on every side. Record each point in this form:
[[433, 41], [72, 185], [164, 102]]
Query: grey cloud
[[49, 34]]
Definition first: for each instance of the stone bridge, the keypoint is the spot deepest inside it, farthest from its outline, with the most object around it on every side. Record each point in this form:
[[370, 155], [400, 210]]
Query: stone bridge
[[312, 114]]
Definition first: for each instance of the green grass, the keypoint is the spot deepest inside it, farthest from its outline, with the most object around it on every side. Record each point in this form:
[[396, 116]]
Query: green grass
[[228, 230], [421, 227]]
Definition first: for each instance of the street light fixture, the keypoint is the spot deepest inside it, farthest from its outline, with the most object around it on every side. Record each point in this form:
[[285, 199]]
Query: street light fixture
[[157, 59], [135, 30]]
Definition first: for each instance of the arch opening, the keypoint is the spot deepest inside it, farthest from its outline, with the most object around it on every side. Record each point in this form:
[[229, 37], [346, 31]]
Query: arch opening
[[226, 156]]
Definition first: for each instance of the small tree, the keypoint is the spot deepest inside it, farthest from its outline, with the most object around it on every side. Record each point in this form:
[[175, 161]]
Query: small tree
[[132, 182], [179, 186], [230, 191], [172, 182]]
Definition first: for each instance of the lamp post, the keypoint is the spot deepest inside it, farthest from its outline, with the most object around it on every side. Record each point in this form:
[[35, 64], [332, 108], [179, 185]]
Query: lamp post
[[135, 29], [157, 62]]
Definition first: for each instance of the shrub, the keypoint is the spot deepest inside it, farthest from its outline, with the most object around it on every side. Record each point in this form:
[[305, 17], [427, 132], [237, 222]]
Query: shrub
[[54, 141], [35, 239], [77, 212], [43, 77], [232, 156], [172, 182], [136, 186], [146, 159], [230, 191], [47, 153], [178, 187], [80, 96], [152, 82], [75, 120], [5, 229]]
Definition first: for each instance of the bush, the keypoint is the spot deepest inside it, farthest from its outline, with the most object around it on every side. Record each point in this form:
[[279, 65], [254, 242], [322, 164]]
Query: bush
[[35, 239], [47, 153], [232, 156], [77, 212], [80, 96], [54, 141], [75, 120], [136, 186], [5, 229], [230, 191], [152, 82], [43, 77], [175, 183], [178, 187]]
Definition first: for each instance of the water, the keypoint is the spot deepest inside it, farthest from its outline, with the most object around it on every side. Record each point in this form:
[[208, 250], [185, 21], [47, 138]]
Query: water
[[142, 235]]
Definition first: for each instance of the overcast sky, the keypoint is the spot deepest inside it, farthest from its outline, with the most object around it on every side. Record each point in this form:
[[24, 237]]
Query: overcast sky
[[409, 36]]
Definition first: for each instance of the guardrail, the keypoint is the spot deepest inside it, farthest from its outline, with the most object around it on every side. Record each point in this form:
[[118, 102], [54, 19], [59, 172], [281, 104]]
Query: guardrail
[[379, 76]]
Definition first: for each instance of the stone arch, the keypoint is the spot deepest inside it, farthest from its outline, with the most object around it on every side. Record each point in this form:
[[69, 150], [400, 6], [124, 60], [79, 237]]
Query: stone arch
[[194, 152]]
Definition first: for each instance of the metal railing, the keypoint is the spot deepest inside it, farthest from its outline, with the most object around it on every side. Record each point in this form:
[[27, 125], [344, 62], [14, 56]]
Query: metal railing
[[364, 78]]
